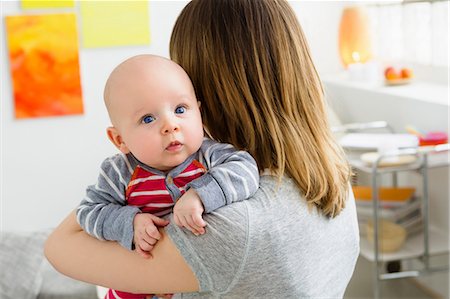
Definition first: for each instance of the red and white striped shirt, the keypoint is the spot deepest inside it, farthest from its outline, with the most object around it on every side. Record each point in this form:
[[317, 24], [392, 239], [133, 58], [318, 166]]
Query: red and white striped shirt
[[148, 190]]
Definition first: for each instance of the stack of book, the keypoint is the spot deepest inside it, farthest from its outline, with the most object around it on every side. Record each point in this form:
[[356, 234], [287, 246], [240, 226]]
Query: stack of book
[[398, 205]]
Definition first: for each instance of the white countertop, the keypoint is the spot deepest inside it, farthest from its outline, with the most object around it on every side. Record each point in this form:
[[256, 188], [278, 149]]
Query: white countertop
[[417, 90]]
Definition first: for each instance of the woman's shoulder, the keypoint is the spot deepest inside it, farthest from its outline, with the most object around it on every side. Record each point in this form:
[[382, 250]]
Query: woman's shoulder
[[282, 199]]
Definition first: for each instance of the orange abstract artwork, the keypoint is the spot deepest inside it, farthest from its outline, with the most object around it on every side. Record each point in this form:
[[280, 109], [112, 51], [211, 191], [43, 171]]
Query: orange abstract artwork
[[43, 52]]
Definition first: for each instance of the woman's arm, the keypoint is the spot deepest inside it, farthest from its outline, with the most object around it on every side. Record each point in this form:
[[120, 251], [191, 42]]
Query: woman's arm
[[76, 254]]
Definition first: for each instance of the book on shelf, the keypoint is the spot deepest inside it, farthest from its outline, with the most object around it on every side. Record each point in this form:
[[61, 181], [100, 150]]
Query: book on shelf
[[391, 213], [413, 224], [408, 216], [388, 196]]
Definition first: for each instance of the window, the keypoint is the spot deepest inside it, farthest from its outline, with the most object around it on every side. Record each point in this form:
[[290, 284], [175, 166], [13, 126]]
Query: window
[[411, 31]]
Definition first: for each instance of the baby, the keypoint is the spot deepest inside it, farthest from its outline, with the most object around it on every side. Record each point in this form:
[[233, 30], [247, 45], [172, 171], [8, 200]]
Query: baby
[[166, 164]]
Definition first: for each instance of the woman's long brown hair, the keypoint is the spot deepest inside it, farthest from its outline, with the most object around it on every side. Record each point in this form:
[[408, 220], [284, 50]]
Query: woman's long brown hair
[[252, 70]]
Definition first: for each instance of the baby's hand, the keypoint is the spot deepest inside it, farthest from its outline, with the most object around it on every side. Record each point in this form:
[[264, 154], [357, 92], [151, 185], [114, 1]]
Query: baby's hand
[[146, 233], [188, 212]]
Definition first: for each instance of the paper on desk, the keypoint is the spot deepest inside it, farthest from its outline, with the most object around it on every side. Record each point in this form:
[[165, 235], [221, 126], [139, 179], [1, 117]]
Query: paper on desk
[[375, 140]]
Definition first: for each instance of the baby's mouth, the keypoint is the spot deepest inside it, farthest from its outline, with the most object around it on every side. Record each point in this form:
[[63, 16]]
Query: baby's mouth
[[174, 146]]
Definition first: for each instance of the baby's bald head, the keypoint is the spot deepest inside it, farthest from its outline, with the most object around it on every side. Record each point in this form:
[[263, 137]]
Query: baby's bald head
[[151, 103], [133, 76]]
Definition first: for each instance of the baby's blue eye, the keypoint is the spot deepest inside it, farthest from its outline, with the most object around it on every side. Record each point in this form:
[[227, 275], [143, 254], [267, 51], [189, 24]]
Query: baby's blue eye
[[180, 110], [148, 119]]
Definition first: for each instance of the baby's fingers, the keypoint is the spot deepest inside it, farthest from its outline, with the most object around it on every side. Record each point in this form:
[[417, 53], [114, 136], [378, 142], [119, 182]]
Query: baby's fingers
[[198, 221], [185, 223], [148, 242], [147, 246], [144, 254], [152, 231], [194, 228], [198, 228]]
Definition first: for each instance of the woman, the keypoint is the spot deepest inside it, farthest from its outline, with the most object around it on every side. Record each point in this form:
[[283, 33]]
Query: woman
[[298, 236]]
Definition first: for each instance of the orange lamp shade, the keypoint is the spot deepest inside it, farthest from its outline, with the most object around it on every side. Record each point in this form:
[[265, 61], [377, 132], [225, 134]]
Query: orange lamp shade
[[354, 36]]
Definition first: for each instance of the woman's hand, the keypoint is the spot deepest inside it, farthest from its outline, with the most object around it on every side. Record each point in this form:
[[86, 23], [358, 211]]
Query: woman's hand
[[188, 211]]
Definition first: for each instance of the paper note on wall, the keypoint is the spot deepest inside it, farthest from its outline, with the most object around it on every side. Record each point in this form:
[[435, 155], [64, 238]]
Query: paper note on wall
[[43, 52], [114, 23], [29, 4]]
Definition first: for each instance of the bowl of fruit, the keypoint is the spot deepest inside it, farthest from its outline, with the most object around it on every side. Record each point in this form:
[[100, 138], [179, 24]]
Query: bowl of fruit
[[395, 76]]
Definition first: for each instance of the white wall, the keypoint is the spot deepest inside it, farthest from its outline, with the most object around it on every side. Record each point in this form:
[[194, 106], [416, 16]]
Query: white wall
[[47, 163], [320, 22]]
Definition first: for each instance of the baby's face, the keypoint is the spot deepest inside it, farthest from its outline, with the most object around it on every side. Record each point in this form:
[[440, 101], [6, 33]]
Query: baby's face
[[158, 116]]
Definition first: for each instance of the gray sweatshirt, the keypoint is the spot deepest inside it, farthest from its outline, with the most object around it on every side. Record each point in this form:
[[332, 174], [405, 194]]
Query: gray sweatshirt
[[271, 246], [231, 176]]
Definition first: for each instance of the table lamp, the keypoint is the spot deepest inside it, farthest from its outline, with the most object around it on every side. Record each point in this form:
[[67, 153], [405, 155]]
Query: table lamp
[[354, 36]]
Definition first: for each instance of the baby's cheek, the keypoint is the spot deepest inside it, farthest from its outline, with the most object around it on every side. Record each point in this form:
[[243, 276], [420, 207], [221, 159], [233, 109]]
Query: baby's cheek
[[149, 152], [199, 135]]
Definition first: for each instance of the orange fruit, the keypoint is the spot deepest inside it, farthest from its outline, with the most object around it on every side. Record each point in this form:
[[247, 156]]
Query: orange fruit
[[406, 73]]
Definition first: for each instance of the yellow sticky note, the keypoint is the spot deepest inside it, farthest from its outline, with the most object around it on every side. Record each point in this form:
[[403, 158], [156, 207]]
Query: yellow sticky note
[[114, 23], [27, 4]]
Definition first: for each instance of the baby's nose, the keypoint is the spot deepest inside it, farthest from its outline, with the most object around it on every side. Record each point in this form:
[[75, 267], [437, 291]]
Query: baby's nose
[[170, 126]]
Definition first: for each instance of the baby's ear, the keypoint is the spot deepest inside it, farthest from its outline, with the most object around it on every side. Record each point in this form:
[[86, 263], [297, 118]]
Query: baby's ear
[[117, 140]]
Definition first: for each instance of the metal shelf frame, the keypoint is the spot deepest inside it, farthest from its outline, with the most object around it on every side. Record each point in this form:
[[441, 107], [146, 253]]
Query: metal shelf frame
[[421, 166]]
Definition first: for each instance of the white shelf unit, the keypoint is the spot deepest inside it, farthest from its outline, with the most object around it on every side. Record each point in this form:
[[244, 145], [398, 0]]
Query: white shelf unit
[[431, 241]]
